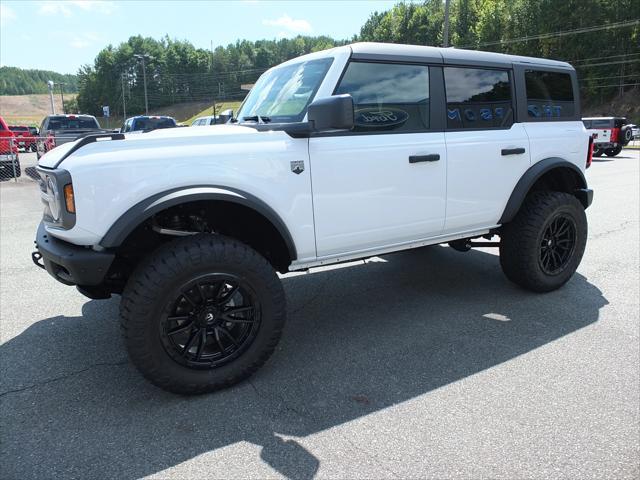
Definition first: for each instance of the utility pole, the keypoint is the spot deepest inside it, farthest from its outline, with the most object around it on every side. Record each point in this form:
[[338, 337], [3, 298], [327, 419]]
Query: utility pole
[[144, 78], [445, 34], [124, 105], [53, 108]]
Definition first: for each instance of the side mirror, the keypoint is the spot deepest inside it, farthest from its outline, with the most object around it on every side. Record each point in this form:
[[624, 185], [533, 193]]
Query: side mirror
[[331, 113], [225, 116]]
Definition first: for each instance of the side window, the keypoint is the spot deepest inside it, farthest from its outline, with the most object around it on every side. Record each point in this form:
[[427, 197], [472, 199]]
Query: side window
[[390, 98], [478, 98], [549, 95]]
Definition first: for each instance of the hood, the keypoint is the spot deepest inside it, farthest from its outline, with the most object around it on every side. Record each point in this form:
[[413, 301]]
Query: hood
[[156, 139]]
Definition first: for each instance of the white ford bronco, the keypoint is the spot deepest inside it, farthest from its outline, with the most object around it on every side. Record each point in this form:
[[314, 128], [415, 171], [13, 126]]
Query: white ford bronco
[[343, 154]]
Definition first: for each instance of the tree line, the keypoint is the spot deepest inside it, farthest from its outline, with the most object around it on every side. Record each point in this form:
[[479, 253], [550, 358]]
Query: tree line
[[601, 38], [16, 81]]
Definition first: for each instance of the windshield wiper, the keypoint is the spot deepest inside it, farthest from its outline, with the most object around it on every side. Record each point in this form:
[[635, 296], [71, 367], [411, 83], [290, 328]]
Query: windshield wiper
[[256, 118]]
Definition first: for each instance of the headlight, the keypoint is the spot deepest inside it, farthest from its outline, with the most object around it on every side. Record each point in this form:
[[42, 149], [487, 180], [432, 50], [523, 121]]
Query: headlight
[[54, 199], [56, 190]]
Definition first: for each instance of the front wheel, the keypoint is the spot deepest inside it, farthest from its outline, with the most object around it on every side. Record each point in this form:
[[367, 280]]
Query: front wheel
[[202, 313], [542, 246]]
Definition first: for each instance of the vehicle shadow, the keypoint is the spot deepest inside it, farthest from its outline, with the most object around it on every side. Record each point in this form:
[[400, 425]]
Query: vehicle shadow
[[358, 340]]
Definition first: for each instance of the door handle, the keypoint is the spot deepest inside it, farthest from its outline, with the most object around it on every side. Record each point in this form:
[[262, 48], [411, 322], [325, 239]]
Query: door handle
[[512, 151], [433, 157]]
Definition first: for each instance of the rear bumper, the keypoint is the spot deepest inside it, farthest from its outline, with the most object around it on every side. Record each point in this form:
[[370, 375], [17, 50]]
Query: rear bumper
[[70, 264]]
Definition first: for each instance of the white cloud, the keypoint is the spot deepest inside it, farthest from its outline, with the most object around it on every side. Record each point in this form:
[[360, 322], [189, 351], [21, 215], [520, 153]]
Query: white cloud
[[6, 14], [51, 7], [84, 40], [289, 24]]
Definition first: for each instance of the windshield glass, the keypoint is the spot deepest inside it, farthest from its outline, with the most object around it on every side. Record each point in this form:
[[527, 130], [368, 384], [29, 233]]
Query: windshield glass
[[153, 123], [282, 94], [72, 123]]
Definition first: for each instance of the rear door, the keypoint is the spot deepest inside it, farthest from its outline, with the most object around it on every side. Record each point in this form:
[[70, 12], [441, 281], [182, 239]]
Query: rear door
[[383, 183], [487, 152]]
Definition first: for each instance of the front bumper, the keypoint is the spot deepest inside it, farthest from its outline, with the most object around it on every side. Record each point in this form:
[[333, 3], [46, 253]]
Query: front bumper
[[70, 264]]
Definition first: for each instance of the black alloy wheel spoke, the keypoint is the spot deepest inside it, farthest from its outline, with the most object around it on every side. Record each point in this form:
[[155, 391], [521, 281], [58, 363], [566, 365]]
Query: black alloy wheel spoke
[[184, 327], [189, 344], [227, 334], [202, 293], [201, 343], [219, 341], [229, 295]]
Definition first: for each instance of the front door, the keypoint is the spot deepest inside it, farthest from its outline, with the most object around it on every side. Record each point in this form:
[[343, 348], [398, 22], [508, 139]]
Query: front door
[[384, 183]]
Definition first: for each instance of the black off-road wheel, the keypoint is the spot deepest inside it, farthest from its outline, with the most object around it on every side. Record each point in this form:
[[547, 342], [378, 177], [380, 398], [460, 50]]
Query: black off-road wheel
[[202, 313], [541, 248], [612, 152], [597, 151]]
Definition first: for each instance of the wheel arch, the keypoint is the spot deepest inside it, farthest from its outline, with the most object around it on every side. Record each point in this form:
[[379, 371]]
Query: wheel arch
[[144, 210], [555, 173]]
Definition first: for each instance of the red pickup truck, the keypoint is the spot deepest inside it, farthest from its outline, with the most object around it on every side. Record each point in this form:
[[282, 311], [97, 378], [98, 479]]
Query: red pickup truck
[[9, 163], [24, 137]]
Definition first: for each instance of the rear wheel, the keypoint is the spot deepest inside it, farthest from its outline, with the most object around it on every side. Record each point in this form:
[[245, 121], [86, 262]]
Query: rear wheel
[[597, 151], [612, 152], [543, 245], [202, 313]]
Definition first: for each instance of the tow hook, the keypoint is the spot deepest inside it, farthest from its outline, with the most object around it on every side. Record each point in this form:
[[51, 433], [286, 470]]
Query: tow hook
[[37, 259]]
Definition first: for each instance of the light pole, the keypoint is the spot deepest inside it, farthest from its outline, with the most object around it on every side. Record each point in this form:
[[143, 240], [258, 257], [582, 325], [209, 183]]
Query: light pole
[[144, 78], [53, 108]]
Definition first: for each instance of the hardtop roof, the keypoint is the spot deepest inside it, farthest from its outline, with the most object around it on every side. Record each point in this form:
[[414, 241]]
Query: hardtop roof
[[445, 55]]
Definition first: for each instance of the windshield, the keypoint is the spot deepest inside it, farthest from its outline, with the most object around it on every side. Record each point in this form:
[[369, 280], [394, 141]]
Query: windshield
[[282, 94], [18, 129], [72, 123], [153, 123]]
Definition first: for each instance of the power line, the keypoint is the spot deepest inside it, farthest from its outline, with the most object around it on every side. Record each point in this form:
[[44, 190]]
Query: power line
[[608, 63], [617, 85], [563, 33]]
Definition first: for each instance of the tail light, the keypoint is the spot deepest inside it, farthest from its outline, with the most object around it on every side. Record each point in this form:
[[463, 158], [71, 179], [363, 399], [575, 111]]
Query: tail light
[[590, 152], [615, 134]]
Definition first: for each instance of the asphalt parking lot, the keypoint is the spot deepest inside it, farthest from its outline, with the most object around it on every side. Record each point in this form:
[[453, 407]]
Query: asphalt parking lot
[[425, 363]]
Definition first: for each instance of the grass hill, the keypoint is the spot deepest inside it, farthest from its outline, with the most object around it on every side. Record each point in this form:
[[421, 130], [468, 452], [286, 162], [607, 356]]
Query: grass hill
[[31, 109]]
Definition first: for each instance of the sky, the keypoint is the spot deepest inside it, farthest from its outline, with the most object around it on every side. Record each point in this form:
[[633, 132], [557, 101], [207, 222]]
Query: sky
[[63, 35]]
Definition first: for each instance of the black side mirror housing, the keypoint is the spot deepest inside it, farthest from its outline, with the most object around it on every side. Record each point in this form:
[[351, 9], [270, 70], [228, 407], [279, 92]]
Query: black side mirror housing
[[331, 113], [225, 116]]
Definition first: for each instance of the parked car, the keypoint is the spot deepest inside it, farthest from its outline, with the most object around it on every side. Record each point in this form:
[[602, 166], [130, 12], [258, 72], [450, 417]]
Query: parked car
[[144, 123], [609, 134], [635, 132], [410, 146], [24, 136], [57, 130], [209, 120], [9, 160]]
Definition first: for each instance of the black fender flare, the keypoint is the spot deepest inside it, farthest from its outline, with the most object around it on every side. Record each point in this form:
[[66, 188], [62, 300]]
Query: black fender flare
[[531, 176], [143, 210]]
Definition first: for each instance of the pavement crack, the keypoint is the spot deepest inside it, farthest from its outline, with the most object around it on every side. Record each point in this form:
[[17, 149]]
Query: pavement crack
[[62, 377], [369, 455]]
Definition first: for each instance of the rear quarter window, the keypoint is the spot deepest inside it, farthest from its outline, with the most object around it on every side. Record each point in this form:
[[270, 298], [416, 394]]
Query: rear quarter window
[[478, 98], [549, 95]]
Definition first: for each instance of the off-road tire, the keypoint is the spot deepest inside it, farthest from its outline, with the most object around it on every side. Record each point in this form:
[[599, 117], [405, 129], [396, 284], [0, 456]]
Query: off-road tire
[[597, 151], [145, 296], [521, 240], [612, 152]]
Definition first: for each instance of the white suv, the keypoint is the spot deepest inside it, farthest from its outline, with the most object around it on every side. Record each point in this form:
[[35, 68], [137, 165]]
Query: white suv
[[342, 154]]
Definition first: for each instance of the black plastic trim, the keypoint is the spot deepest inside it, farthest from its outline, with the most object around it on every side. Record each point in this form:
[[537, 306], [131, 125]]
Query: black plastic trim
[[71, 264], [512, 151], [137, 214], [530, 177], [434, 157]]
